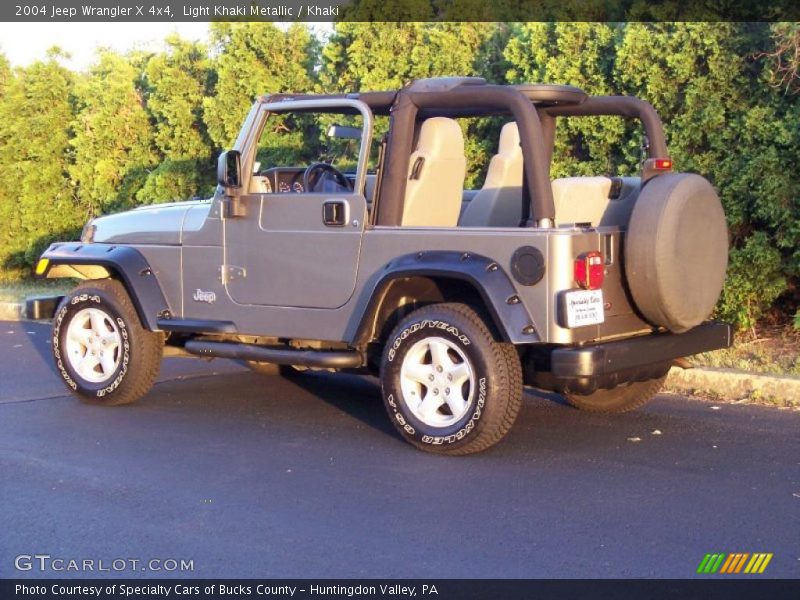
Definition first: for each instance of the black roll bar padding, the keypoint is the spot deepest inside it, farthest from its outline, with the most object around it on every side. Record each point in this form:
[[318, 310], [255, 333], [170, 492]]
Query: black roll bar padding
[[500, 98], [620, 106], [398, 145], [549, 136]]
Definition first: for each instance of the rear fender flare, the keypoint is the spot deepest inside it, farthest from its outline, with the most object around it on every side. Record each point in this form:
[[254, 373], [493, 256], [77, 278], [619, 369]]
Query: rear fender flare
[[508, 313]]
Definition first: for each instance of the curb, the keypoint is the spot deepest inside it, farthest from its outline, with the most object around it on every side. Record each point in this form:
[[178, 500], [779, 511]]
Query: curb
[[775, 390], [11, 311]]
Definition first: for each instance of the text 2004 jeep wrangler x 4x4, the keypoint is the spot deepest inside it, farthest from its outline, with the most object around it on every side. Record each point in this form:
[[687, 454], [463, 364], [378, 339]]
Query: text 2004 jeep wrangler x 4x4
[[370, 256]]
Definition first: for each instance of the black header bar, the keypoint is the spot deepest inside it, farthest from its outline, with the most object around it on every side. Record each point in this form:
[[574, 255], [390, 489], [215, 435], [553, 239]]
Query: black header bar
[[399, 589], [380, 10]]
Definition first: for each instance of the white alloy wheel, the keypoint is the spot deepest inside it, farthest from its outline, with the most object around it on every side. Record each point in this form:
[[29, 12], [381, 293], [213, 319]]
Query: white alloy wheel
[[94, 345], [437, 382]]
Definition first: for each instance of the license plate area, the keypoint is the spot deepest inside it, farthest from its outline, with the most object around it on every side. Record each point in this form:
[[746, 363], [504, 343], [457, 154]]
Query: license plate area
[[579, 308]]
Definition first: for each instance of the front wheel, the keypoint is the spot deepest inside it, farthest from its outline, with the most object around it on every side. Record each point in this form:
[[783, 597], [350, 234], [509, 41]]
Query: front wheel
[[448, 386], [101, 350]]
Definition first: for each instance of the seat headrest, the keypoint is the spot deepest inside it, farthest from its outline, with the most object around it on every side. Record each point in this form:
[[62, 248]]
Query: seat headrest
[[442, 137], [509, 139]]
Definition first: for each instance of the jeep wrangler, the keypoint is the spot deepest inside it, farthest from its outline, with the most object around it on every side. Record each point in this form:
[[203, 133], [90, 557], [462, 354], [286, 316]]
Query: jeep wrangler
[[340, 238]]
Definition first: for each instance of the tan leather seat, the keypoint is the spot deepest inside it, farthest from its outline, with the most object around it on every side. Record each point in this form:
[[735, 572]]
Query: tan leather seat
[[435, 176], [499, 201], [585, 200]]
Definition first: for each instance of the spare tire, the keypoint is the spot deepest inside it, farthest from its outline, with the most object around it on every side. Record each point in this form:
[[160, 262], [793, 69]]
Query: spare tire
[[676, 251]]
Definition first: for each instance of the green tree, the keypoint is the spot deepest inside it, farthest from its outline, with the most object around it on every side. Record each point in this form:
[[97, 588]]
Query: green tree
[[725, 121], [579, 54], [254, 59], [5, 73], [37, 202], [753, 283], [177, 80], [113, 136], [784, 55], [387, 56]]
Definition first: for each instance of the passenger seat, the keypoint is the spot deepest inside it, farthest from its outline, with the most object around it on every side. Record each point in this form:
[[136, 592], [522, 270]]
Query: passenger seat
[[435, 176], [499, 202]]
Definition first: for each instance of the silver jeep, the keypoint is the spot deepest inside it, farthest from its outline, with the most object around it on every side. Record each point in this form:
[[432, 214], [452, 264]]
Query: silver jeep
[[341, 238]]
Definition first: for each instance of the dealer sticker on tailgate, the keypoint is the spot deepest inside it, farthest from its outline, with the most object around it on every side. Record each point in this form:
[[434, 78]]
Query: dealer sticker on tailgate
[[584, 307]]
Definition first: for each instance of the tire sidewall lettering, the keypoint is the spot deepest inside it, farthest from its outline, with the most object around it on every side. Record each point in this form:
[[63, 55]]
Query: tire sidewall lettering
[[71, 307], [415, 327]]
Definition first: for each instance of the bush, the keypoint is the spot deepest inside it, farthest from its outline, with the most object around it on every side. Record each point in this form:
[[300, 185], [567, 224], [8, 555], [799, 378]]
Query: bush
[[754, 281]]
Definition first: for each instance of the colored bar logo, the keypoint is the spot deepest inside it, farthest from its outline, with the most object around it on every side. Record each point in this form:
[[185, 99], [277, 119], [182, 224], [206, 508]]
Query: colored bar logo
[[733, 563]]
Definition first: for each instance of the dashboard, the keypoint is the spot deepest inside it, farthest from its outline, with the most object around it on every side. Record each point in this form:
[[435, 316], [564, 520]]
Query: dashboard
[[280, 180], [284, 180]]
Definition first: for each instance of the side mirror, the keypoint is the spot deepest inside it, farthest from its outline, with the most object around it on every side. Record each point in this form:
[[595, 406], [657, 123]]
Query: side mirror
[[229, 169]]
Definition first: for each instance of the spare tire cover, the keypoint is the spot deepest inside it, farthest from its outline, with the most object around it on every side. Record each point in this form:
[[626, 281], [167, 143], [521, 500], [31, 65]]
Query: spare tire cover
[[676, 251]]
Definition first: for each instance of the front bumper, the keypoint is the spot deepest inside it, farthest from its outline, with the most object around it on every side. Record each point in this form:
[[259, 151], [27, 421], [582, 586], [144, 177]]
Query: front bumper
[[41, 308], [599, 360]]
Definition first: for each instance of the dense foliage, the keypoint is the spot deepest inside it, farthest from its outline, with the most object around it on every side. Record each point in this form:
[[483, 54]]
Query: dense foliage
[[146, 127]]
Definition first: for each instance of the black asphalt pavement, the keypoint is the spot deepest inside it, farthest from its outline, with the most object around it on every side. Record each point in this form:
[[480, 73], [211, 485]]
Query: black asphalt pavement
[[256, 476]]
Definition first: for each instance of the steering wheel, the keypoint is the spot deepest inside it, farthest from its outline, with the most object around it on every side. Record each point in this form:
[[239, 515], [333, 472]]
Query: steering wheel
[[315, 172]]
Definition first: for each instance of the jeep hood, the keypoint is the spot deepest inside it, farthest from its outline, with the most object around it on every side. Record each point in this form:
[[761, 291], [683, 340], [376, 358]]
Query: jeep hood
[[161, 224]]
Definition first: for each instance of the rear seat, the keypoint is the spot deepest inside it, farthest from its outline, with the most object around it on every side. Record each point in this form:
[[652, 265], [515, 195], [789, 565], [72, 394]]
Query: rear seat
[[499, 202], [586, 200]]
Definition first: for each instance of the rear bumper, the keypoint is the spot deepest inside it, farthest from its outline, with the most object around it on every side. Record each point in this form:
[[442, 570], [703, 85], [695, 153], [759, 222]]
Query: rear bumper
[[600, 360]]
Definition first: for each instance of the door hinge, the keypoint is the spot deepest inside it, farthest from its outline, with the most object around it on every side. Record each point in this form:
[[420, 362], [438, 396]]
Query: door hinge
[[228, 273]]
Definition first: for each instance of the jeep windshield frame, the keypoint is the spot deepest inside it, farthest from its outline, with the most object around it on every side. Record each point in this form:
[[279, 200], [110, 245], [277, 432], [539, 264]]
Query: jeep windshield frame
[[309, 104]]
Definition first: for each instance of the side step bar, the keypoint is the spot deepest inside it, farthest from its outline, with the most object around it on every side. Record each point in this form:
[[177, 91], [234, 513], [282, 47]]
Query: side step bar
[[326, 359]]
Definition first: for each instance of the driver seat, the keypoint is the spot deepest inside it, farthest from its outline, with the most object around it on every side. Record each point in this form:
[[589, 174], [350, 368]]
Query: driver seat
[[436, 174]]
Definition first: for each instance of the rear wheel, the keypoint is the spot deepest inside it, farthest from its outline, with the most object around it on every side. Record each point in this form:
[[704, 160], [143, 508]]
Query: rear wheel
[[102, 351], [448, 386], [620, 399]]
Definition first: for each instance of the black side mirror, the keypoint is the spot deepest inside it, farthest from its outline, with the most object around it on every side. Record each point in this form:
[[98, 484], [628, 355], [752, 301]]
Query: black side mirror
[[229, 169]]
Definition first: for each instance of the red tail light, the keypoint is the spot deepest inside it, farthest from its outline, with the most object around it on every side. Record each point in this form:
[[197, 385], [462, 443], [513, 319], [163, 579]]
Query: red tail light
[[590, 270], [663, 164]]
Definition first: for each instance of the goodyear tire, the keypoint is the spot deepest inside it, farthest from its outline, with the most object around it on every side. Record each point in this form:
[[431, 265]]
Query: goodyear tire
[[100, 348], [448, 386], [620, 399]]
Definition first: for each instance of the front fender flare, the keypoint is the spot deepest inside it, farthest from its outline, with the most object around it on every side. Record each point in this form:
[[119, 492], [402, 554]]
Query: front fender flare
[[123, 261], [484, 274]]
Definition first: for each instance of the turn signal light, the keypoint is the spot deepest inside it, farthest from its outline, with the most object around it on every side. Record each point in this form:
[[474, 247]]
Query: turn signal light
[[41, 266], [663, 164], [590, 270]]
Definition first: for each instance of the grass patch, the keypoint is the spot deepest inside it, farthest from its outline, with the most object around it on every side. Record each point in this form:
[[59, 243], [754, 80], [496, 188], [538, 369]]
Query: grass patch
[[773, 350], [17, 291]]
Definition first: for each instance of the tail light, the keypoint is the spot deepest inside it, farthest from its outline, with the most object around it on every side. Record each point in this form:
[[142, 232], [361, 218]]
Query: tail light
[[663, 164], [590, 270]]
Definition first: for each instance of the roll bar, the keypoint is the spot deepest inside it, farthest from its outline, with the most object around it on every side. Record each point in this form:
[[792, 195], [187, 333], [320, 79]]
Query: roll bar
[[463, 100], [534, 108], [619, 106]]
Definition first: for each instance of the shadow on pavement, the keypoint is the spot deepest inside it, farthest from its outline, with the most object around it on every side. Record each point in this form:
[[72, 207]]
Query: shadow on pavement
[[358, 396]]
